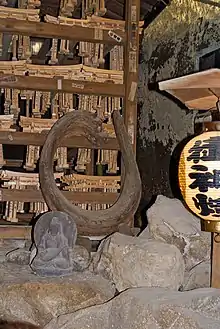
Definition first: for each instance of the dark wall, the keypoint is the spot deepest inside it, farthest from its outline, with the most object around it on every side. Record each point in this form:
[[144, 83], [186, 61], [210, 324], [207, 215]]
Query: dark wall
[[171, 47]]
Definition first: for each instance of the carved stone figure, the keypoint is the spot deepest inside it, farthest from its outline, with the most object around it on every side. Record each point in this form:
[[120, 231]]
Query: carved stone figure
[[55, 235]]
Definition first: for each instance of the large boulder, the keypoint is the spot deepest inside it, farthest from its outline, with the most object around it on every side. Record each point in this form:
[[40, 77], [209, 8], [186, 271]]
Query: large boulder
[[26, 297], [170, 222], [134, 262], [148, 308]]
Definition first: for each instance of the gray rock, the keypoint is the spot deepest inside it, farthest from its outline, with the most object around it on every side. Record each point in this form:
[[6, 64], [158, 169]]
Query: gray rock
[[134, 262], [29, 245], [27, 297], [80, 258], [13, 243], [18, 256], [145, 234], [169, 221], [148, 308], [7, 245], [198, 276], [127, 230]]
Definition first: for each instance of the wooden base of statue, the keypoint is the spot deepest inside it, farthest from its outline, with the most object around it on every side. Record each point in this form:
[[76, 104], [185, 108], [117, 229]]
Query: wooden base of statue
[[215, 274], [214, 228]]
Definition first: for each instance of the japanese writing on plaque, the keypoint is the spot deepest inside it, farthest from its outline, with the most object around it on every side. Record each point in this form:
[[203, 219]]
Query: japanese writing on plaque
[[204, 175]]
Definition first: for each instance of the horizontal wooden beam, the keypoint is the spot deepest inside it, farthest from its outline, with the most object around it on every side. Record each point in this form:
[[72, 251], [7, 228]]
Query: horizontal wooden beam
[[23, 232], [15, 232], [23, 218], [13, 163], [58, 31], [61, 85], [75, 197], [38, 139]]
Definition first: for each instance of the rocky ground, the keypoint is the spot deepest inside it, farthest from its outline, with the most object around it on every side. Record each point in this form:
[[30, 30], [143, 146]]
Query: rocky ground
[[157, 280]]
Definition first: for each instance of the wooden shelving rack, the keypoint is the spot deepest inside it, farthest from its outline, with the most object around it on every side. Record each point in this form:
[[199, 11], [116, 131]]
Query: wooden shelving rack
[[129, 39]]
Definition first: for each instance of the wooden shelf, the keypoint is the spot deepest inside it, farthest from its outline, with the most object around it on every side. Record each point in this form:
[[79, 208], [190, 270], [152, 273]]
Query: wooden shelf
[[198, 91], [76, 197], [16, 163], [61, 85], [38, 139], [126, 36], [57, 31], [77, 72]]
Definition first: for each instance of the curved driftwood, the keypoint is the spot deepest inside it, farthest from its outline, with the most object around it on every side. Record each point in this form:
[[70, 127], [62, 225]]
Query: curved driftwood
[[101, 222]]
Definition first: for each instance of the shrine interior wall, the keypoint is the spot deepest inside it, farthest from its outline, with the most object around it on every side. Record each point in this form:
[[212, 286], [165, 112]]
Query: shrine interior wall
[[171, 47]]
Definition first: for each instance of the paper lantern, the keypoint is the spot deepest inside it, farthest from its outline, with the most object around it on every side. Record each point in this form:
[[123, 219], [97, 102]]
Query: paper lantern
[[199, 178]]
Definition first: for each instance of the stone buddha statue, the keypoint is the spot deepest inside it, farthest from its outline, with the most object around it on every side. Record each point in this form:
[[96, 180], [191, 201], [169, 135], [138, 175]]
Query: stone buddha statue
[[54, 244]]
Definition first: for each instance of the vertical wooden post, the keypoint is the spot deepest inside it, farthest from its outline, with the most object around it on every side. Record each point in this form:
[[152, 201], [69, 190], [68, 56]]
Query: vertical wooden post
[[215, 275], [90, 166], [131, 61]]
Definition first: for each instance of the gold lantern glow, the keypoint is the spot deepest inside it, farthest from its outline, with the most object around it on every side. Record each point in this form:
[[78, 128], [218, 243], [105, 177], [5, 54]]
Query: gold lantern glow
[[199, 178]]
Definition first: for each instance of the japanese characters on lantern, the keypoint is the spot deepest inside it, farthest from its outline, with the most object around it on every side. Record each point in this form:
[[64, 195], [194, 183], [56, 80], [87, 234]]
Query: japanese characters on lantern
[[199, 177]]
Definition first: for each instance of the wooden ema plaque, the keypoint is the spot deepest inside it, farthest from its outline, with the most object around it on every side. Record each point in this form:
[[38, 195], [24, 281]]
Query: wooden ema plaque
[[199, 178]]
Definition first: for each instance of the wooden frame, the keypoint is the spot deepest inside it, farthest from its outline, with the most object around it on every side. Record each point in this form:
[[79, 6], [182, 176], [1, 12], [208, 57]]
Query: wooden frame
[[96, 30]]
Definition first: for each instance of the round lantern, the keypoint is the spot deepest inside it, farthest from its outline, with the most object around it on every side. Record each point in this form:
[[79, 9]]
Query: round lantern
[[199, 178]]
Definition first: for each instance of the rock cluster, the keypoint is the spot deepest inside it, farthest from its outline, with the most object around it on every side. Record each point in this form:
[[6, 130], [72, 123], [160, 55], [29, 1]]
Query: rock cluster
[[26, 297], [157, 280], [170, 222], [148, 308]]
